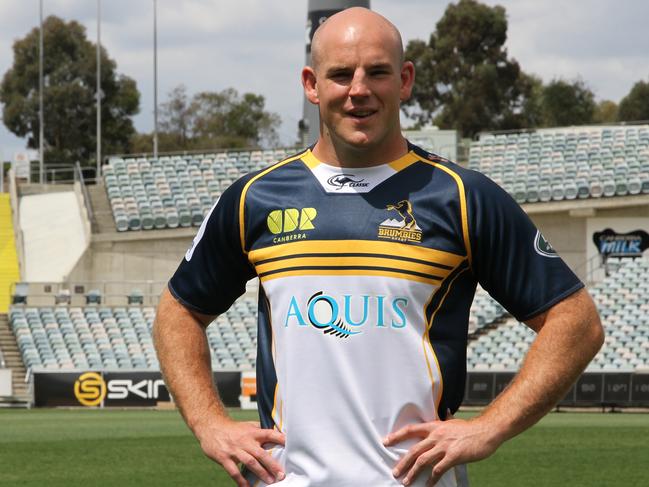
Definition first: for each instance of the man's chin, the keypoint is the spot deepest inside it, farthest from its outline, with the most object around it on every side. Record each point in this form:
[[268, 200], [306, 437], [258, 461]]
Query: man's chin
[[360, 140]]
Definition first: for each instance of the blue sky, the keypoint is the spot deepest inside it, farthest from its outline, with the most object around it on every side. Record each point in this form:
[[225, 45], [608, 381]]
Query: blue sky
[[258, 45]]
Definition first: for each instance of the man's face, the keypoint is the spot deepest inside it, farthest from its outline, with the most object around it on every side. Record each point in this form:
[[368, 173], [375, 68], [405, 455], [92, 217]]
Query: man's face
[[360, 82]]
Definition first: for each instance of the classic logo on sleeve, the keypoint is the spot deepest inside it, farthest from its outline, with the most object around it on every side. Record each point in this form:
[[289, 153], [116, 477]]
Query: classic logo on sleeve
[[543, 247], [404, 229]]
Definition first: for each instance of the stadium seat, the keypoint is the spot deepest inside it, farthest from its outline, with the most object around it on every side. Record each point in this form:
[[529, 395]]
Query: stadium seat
[[572, 163]]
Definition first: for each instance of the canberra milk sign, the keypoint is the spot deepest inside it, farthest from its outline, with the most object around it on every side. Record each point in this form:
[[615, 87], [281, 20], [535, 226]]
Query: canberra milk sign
[[609, 243]]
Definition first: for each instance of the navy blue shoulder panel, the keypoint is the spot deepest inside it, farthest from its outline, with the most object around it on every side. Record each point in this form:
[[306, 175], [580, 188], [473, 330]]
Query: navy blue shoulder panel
[[511, 258]]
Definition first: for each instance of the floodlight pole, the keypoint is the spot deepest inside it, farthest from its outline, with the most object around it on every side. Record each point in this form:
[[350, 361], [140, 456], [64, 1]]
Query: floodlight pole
[[98, 91], [155, 79], [41, 164]]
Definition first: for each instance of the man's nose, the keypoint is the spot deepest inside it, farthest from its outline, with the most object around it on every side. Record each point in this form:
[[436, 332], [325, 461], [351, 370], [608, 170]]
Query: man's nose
[[359, 85]]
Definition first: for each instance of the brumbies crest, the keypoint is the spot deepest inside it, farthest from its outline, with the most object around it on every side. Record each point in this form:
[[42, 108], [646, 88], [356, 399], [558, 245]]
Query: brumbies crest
[[402, 229]]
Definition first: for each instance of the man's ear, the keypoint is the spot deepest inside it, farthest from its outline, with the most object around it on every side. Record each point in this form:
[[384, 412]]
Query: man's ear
[[309, 84], [407, 80]]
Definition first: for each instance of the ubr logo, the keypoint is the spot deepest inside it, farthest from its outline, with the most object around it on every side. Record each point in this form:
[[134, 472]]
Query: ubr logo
[[90, 389], [289, 220]]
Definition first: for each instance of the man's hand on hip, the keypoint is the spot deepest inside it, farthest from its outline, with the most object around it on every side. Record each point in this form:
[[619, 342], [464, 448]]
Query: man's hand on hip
[[443, 445], [231, 443]]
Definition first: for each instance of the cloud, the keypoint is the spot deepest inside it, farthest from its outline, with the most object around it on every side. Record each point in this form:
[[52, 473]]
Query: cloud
[[258, 45]]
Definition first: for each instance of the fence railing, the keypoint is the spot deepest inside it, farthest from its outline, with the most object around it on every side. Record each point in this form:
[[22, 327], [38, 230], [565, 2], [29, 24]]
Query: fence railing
[[82, 293], [79, 177], [18, 233]]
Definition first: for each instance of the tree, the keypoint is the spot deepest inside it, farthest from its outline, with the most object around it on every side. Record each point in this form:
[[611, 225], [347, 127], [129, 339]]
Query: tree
[[70, 74], [605, 112], [567, 103], [635, 105], [465, 79], [175, 117], [210, 120]]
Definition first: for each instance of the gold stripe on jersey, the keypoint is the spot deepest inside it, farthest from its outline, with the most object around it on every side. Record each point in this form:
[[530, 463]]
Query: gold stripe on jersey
[[333, 271], [463, 205], [432, 257], [426, 339], [310, 160], [403, 162], [354, 257], [242, 200], [348, 262]]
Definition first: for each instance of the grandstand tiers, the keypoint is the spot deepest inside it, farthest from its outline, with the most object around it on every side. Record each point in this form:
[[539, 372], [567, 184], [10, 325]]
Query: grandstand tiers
[[546, 165], [484, 311], [566, 163], [101, 338], [175, 191]]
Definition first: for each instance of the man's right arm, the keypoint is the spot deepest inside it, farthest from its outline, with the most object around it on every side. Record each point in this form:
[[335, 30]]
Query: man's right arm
[[183, 351]]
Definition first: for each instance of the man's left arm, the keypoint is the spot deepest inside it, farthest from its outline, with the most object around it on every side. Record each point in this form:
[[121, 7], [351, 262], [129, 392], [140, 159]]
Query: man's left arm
[[569, 336]]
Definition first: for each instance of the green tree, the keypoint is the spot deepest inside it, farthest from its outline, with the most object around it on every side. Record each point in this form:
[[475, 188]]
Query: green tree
[[210, 120], [465, 79], [635, 105], [70, 74], [567, 103], [175, 118], [605, 112]]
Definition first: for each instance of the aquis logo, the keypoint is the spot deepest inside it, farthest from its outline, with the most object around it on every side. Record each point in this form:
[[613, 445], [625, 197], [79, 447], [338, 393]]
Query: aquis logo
[[347, 315]]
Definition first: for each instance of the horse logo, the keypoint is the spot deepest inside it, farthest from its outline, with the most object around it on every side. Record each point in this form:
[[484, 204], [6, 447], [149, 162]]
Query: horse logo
[[402, 230]]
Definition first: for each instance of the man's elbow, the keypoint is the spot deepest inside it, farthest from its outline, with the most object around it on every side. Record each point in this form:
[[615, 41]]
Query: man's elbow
[[594, 331]]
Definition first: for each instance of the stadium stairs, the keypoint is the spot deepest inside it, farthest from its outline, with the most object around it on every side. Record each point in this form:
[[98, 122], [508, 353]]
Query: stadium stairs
[[9, 272], [103, 216], [13, 361]]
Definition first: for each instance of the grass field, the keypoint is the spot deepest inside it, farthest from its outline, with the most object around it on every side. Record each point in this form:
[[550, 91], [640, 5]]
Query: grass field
[[49, 448]]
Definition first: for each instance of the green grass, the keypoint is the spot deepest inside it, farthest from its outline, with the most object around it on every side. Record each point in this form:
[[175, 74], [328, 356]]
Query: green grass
[[140, 448]]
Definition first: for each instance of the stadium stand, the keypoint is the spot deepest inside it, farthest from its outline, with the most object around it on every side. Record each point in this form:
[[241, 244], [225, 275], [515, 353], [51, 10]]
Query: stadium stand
[[545, 165], [622, 299], [98, 338], [9, 272], [484, 311], [566, 163], [175, 191]]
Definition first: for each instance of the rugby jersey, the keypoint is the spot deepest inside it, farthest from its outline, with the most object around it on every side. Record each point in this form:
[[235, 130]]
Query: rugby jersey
[[366, 279]]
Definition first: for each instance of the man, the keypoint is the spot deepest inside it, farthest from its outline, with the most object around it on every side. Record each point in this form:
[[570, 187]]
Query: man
[[368, 252]]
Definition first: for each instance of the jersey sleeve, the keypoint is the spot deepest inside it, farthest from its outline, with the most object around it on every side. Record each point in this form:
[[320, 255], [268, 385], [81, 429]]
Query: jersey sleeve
[[214, 271], [510, 257]]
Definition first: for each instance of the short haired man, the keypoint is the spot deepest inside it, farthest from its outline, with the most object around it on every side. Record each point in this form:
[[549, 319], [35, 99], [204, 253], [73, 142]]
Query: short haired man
[[368, 251]]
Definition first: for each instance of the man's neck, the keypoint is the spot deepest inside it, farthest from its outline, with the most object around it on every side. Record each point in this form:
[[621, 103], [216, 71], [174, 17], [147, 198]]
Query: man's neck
[[343, 155]]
